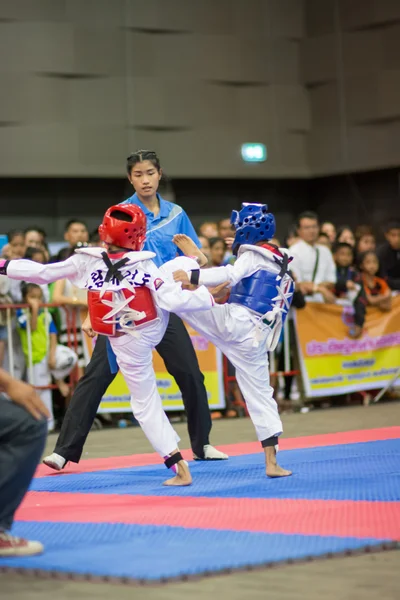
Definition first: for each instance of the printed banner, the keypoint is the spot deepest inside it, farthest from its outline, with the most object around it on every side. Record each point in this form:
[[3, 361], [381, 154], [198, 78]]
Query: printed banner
[[117, 398], [332, 363]]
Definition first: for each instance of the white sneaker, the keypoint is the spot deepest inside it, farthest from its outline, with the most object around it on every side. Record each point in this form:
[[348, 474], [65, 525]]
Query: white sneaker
[[55, 461], [211, 453], [15, 546]]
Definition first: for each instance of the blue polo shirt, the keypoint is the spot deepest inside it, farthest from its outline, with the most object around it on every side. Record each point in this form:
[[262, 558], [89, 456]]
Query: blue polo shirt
[[170, 220]]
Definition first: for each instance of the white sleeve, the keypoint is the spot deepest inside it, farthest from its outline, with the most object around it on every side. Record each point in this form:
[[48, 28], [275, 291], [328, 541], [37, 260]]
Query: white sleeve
[[28, 270], [295, 265], [244, 266], [171, 297], [184, 263], [330, 268]]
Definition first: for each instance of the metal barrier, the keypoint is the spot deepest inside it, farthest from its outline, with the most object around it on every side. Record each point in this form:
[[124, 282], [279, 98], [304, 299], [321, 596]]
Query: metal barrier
[[71, 321]]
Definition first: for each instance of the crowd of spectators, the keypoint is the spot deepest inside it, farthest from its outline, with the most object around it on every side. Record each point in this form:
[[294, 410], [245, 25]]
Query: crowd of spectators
[[36, 358]]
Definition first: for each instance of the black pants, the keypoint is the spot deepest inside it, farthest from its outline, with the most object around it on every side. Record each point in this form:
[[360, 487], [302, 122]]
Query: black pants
[[22, 440], [177, 352]]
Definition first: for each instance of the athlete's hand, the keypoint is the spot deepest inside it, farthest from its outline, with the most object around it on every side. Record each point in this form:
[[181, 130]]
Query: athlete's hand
[[181, 276], [87, 328], [23, 394]]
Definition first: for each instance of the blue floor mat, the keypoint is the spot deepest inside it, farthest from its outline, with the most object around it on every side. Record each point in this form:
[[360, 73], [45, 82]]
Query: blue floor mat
[[364, 471], [155, 552]]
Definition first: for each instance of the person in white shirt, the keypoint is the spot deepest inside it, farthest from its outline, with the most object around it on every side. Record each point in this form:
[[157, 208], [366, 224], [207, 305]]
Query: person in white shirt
[[313, 265]]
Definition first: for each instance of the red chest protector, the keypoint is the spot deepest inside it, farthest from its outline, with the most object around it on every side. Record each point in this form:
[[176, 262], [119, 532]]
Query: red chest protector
[[141, 302]]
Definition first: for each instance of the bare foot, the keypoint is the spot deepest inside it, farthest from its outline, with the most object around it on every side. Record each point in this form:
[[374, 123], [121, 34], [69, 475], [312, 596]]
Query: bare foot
[[189, 248], [183, 477], [277, 471], [273, 469]]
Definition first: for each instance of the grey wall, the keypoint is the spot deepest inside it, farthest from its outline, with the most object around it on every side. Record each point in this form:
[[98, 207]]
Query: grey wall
[[83, 82], [351, 67]]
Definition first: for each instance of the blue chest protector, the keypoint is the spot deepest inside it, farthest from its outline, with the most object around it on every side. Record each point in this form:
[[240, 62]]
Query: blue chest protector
[[259, 292]]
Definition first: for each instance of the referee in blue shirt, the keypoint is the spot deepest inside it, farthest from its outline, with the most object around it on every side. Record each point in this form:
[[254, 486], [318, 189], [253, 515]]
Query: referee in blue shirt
[[164, 220]]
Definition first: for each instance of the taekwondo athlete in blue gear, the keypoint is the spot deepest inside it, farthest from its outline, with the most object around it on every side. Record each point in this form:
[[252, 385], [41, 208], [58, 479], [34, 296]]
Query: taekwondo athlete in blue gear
[[249, 326]]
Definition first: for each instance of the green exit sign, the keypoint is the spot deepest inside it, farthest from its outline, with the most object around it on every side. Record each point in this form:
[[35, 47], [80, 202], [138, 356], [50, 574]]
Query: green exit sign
[[254, 152]]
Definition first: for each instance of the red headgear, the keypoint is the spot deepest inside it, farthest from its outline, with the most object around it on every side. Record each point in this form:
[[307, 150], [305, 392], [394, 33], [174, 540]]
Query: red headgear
[[124, 225]]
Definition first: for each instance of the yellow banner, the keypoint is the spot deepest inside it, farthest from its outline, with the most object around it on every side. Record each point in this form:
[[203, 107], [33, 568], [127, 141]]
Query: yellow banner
[[117, 397], [333, 363]]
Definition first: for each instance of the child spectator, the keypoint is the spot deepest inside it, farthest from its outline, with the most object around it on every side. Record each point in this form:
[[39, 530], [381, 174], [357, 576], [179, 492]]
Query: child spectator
[[389, 256], [217, 251], [208, 229], [36, 254], [15, 248], [329, 229], [345, 234], [205, 246], [323, 239], [349, 284], [365, 242], [377, 291], [43, 341]]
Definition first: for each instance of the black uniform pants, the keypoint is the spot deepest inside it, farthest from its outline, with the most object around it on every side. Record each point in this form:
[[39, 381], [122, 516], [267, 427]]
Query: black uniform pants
[[177, 352]]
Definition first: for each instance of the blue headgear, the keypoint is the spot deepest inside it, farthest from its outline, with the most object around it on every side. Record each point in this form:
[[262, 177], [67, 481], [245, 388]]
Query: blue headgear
[[253, 224]]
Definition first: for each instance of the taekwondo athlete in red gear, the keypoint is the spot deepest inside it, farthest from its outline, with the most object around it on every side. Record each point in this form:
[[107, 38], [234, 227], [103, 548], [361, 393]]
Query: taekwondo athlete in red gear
[[250, 324], [130, 302]]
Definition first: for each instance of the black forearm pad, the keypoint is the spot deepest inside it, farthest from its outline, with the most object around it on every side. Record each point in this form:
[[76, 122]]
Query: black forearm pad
[[195, 276]]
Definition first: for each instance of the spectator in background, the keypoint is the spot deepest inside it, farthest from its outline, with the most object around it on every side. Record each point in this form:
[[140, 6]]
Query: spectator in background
[[349, 285], [365, 242], [94, 239], [225, 229], [208, 229], [76, 234], [389, 255], [362, 230], [36, 254], [217, 251], [324, 240], [313, 265], [15, 248], [205, 246], [74, 302], [292, 236], [22, 438], [43, 342], [36, 238], [377, 291], [329, 229], [345, 234]]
